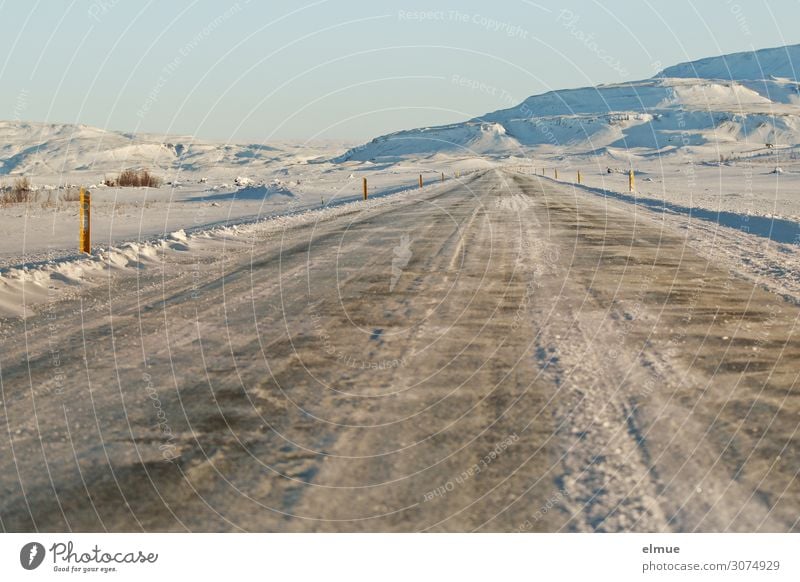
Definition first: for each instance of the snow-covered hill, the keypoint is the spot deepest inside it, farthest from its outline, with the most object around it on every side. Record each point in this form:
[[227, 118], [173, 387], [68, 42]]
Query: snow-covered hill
[[712, 108], [48, 150], [745, 99], [466, 139], [782, 62]]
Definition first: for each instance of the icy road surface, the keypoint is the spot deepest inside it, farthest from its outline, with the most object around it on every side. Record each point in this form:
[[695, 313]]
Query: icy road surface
[[503, 353]]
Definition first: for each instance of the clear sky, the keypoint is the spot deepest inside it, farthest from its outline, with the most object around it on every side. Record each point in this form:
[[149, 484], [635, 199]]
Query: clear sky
[[276, 69]]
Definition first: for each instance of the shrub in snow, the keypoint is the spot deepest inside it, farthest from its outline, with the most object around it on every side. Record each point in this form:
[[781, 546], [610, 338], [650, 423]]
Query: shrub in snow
[[135, 179], [242, 181], [21, 192]]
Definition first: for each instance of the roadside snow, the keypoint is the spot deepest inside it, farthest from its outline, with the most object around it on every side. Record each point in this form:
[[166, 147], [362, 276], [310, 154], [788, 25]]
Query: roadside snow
[[25, 286]]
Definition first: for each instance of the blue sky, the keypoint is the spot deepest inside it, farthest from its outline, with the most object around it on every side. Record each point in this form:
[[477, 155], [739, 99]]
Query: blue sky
[[257, 70]]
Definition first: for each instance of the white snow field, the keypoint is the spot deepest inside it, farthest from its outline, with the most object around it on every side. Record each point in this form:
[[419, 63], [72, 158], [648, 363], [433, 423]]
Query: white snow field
[[714, 140]]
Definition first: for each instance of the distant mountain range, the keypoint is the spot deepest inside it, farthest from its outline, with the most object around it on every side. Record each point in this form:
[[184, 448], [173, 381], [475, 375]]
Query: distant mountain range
[[742, 100], [710, 107]]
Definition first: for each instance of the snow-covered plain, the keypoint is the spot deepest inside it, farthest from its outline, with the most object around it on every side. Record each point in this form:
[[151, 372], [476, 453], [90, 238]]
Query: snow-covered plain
[[715, 140], [204, 184]]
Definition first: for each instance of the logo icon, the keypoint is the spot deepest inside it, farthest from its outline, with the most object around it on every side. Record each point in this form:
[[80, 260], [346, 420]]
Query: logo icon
[[31, 555]]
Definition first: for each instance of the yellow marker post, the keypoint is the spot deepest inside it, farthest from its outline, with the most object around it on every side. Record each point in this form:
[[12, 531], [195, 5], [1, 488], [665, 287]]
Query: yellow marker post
[[420, 180], [579, 177], [365, 188], [85, 233], [631, 182]]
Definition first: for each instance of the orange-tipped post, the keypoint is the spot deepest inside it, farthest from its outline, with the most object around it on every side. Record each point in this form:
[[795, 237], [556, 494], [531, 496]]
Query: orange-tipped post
[[85, 233]]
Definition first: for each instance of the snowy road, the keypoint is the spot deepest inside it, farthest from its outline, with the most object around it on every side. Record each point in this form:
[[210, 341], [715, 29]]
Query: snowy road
[[504, 353]]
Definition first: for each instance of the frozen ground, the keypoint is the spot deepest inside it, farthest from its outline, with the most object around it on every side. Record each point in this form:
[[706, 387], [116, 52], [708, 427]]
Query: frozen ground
[[49, 226], [745, 195], [748, 195], [496, 353]]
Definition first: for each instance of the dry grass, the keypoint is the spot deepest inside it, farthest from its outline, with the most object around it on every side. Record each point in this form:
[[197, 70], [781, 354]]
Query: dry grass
[[62, 200], [71, 195], [135, 179], [23, 193], [51, 201], [20, 193]]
